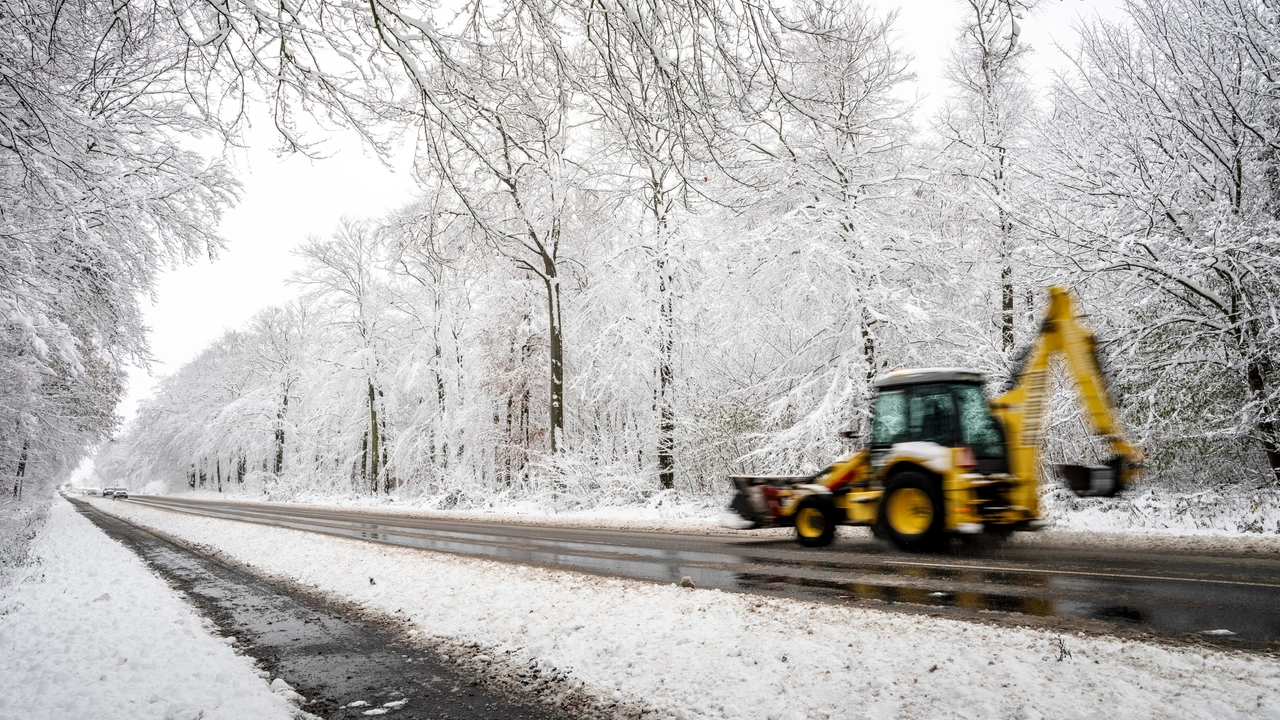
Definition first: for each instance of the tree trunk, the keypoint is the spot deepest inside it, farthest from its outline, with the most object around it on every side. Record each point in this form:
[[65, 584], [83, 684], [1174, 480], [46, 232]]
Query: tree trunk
[[556, 342], [666, 377], [660, 207], [374, 455], [364, 458], [438, 443], [18, 477], [1006, 306], [1266, 426], [280, 413], [1001, 185], [511, 405], [868, 344], [218, 470], [384, 442]]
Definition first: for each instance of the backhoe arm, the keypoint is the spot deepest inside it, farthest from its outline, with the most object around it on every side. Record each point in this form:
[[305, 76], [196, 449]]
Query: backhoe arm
[[1023, 408]]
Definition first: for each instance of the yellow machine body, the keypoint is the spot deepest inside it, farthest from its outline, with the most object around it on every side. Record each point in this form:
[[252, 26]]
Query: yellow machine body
[[947, 490]]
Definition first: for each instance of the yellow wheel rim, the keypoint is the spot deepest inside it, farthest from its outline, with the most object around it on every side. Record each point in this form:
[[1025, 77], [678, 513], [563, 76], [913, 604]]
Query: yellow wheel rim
[[910, 511], [810, 522]]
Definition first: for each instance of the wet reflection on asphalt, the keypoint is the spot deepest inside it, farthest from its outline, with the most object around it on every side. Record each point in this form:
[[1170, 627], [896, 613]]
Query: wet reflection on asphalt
[[1150, 598]]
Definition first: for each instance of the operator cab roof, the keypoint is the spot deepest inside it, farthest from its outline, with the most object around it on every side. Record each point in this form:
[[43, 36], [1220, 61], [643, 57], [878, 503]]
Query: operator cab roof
[[920, 376]]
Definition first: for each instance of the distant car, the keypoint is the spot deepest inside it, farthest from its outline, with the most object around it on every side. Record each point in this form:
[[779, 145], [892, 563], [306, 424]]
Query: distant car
[[121, 494], [115, 492]]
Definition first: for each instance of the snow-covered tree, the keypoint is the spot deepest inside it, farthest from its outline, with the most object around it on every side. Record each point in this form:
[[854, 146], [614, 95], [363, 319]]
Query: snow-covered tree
[[1164, 204], [986, 129], [99, 194]]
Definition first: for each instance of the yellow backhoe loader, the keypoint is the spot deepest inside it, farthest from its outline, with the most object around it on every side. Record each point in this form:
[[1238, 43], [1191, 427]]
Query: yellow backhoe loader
[[944, 460]]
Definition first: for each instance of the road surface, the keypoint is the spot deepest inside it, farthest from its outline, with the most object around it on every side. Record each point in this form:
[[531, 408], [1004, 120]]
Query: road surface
[[1215, 597]]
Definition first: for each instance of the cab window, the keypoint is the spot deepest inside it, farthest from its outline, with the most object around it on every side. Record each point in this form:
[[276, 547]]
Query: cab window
[[932, 415], [889, 418], [980, 430]]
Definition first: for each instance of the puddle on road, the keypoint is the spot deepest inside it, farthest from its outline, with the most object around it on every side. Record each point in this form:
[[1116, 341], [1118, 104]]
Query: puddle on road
[[1163, 606]]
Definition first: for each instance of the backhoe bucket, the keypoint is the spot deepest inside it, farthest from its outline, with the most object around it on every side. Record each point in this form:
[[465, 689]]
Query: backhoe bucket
[[1093, 480]]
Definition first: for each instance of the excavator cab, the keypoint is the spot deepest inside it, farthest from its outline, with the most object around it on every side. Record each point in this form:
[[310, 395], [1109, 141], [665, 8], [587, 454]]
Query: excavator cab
[[945, 407]]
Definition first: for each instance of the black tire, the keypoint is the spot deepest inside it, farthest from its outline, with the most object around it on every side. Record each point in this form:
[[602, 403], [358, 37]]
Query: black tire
[[815, 522], [911, 513]]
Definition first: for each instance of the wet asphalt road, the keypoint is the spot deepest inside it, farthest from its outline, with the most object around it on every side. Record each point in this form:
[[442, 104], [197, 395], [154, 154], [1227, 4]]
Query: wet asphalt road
[[1091, 589], [343, 664]]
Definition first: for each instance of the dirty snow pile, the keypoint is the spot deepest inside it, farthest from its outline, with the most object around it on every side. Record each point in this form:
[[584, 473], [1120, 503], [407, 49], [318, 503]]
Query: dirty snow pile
[[692, 653], [88, 632]]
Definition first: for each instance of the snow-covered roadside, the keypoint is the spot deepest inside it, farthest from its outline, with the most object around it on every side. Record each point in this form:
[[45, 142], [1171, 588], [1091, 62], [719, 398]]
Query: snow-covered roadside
[[88, 632], [1231, 511], [680, 517], [20, 523], [705, 653]]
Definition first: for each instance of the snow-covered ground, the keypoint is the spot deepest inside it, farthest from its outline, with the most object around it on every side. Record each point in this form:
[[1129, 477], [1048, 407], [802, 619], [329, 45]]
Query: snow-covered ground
[[691, 653], [1231, 511], [87, 631]]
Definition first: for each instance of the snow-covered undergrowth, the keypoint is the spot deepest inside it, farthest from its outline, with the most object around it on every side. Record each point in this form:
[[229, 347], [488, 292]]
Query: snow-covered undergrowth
[[20, 523], [1155, 508], [86, 631], [705, 653]]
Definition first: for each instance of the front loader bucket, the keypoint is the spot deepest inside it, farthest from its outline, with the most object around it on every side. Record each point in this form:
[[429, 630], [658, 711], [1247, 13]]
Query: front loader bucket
[[742, 504], [744, 512], [751, 499]]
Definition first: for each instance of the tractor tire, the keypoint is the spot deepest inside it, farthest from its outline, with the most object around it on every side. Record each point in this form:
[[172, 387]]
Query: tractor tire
[[911, 513], [815, 522]]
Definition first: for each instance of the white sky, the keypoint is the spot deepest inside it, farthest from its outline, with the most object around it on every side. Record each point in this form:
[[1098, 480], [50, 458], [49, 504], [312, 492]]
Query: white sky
[[286, 200]]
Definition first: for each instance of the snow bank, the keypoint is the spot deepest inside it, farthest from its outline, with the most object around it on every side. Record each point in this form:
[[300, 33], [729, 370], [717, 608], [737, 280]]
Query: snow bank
[[710, 654], [1232, 511], [693, 517], [89, 632]]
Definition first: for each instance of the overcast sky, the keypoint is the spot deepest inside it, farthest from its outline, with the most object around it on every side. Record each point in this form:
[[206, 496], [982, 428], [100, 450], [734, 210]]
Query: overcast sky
[[286, 200]]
